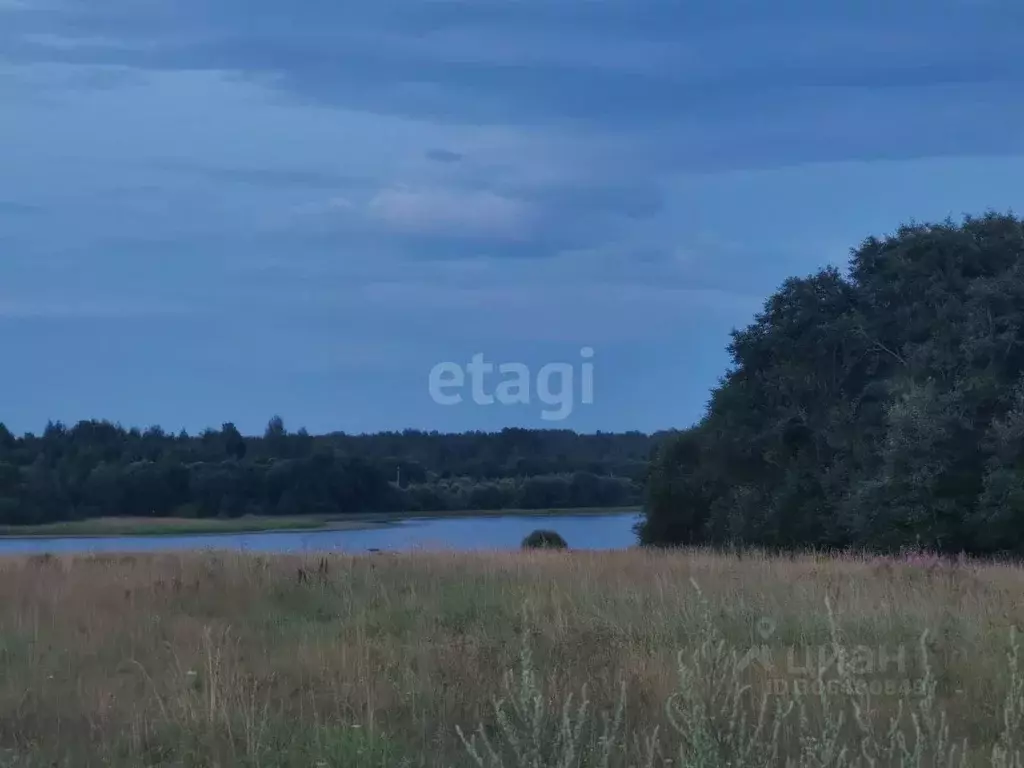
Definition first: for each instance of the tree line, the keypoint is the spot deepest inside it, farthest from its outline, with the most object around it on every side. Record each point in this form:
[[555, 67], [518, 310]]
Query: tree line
[[879, 409], [97, 468]]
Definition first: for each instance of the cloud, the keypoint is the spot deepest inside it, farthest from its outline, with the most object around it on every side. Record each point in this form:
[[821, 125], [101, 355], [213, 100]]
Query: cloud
[[15, 208], [310, 178], [444, 155], [467, 220], [29, 309], [452, 212], [694, 86], [63, 43]]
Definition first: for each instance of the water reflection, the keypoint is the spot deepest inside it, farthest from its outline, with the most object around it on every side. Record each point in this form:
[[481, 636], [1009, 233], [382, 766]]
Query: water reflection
[[593, 532]]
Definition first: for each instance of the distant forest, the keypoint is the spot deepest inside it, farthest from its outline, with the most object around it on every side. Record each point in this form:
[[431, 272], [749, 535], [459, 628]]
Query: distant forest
[[97, 468], [880, 409]]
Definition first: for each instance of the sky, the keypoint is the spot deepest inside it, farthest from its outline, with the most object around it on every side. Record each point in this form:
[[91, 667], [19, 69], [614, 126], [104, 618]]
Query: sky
[[223, 210]]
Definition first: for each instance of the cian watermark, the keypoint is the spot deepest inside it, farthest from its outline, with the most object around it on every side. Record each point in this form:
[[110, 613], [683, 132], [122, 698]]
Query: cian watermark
[[831, 668], [514, 384]]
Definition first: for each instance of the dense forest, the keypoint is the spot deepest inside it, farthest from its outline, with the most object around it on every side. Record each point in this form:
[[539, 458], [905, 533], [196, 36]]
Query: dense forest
[[97, 468], [879, 409]]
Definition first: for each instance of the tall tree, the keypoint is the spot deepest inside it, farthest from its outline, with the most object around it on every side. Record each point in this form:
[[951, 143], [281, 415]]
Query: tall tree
[[870, 410]]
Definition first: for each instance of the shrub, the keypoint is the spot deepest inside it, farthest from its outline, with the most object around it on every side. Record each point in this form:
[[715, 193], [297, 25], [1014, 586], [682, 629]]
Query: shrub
[[541, 539], [710, 722]]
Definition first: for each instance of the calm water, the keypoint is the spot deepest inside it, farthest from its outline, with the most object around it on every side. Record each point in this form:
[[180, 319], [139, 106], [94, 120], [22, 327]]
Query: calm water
[[505, 532]]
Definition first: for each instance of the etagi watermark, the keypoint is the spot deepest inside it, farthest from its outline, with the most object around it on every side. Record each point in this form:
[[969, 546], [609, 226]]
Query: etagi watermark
[[554, 386], [860, 669]]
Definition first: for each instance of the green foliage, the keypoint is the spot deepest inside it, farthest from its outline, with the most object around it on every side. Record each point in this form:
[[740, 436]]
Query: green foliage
[[541, 539], [530, 733], [98, 469], [718, 718], [878, 410]]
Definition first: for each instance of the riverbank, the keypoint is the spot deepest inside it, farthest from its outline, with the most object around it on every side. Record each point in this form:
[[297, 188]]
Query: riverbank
[[157, 526], [170, 526], [367, 662]]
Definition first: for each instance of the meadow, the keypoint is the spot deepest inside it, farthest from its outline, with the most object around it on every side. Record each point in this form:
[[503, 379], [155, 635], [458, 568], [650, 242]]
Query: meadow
[[161, 526], [515, 659]]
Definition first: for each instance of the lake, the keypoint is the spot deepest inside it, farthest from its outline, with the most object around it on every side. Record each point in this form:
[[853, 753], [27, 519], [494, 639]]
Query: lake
[[593, 532]]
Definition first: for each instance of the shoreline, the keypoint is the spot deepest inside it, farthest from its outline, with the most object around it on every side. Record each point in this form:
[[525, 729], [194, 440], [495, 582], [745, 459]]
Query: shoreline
[[105, 527]]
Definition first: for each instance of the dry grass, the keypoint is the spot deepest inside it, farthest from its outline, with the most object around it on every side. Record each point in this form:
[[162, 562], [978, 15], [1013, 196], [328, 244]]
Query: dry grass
[[162, 526], [223, 660]]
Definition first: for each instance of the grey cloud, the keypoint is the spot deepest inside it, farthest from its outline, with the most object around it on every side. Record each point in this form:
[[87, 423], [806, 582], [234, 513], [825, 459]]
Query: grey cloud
[[482, 221], [442, 211], [611, 65], [15, 208], [114, 308], [311, 178], [656, 86], [626, 199], [444, 156]]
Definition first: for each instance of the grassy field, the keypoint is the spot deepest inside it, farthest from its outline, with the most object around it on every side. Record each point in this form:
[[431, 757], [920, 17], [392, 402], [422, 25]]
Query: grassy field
[[388, 660], [162, 526], [170, 526]]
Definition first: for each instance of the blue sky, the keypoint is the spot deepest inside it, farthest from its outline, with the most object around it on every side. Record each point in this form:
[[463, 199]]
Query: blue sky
[[217, 210]]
